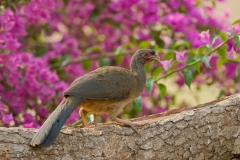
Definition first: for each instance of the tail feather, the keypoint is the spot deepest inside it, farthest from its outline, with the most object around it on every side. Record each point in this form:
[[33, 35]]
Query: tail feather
[[52, 126]]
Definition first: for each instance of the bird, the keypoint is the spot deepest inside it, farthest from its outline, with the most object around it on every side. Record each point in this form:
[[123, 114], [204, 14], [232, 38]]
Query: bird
[[107, 89]]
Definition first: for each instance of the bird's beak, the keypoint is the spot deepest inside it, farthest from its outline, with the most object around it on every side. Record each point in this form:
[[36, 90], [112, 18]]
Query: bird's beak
[[155, 57], [151, 58]]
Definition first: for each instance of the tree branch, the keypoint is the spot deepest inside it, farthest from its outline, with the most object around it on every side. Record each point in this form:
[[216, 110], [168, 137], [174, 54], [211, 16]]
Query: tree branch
[[208, 131]]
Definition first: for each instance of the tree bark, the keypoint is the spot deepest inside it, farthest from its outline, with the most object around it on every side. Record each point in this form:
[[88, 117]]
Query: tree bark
[[208, 131]]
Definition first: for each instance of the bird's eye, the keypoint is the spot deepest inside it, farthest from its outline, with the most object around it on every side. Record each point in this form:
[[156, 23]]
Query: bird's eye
[[146, 54]]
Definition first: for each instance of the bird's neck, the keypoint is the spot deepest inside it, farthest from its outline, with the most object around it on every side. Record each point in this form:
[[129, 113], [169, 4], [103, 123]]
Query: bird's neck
[[138, 70]]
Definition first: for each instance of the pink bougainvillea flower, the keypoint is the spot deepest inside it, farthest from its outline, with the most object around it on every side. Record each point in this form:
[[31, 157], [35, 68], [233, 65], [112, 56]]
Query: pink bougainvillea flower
[[231, 70], [7, 119], [180, 81], [43, 112], [205, 37], [159, 109], [233, 29], [231, 54], [174, 4], [74, 117], [180, 56], [29, 121], [166, 64]]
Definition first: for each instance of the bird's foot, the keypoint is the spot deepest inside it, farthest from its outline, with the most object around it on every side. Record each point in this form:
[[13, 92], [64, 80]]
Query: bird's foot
[[113, 123], [89, 125], [128, 123], [93, 124], [133, 126]]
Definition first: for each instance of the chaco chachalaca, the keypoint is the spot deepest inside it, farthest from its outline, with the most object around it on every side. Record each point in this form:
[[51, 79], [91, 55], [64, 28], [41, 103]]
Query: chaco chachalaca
[[104, 90]]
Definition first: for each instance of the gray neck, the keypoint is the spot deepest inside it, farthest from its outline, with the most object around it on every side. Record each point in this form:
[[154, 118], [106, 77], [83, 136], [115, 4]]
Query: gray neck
[[138, 70]]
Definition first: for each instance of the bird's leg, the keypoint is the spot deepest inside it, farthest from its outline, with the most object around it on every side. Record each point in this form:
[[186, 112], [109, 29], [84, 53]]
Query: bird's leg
[[113, 117], [83, 113]]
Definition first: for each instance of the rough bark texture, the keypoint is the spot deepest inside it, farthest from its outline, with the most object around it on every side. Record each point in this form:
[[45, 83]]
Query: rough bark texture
[[208, 131]]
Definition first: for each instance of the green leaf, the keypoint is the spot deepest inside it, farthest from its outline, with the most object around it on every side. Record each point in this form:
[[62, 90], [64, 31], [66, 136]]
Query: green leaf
[[119, 58], [158, 49], [181, 43], [144, 44], [163, 90], [87, 64], [128, 45], [64, 59], [55, 63], [236, 22], [188, 77], [238, 57], [222, 93], [174, 63], [137, 104], [118, 50], [156, 72], [61, 73], [94, 15], [214, 40], [219, 63], [236, 41], [237, 74], [118, 54], [198, 67], [149, 84], [169, 55], [223, 52], [104, 61], [159, 42], [190, 59], [201, 50], [147, 67], [223, 35], [92, 49], [205, 60], [77, 123], [90, 118]]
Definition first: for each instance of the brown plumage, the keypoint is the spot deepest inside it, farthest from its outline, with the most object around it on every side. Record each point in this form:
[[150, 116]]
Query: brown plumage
[[104, 90]]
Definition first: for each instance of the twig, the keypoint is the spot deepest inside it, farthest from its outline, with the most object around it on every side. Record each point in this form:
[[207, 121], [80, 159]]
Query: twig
[[80, 59], [111, 54], [193, 63]]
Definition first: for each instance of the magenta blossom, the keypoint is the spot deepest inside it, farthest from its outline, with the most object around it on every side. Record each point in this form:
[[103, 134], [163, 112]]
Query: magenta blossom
[[180, 56], [231, 54], [7, 119], [159, 109], [166, 64], [205, 37], [233, 29]]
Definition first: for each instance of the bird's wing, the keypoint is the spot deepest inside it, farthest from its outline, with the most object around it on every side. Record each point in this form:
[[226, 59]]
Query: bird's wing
[[113, 83]]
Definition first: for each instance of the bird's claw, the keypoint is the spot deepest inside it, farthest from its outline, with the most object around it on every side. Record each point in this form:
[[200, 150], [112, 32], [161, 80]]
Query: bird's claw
[[134, 128]]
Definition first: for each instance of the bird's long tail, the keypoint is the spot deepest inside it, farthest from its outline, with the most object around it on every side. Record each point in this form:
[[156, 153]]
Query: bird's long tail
[[52, 126]]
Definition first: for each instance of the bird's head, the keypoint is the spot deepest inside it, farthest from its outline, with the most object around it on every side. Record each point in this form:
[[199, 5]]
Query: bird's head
[[145, 56]]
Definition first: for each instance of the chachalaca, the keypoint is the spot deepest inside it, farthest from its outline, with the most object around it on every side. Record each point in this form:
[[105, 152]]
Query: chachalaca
[[104, 90]]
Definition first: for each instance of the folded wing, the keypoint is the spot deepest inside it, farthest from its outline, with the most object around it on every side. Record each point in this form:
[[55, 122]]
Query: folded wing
[[113, 83]]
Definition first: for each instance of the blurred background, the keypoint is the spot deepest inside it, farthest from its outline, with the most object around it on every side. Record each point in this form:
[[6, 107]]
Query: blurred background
[[232, 7], [46, 44], [207, 93]]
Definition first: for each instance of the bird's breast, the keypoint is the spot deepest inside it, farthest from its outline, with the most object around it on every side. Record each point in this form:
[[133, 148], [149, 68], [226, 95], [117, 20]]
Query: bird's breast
[[99, 106]]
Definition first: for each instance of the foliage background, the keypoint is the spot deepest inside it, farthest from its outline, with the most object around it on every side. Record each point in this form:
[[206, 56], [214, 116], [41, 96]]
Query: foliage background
[[45, 44]]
